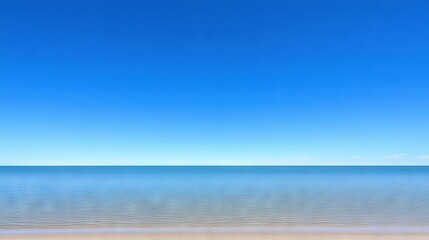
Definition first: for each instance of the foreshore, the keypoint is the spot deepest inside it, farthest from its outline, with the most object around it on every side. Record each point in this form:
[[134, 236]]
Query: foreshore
[[225, 236], [222, 234]]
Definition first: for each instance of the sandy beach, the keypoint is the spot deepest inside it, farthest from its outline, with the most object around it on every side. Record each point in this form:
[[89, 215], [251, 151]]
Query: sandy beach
[[225, 236], [221, 234]]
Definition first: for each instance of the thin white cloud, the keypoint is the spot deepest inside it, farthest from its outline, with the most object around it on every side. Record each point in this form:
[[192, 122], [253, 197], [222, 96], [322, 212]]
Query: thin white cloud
[[423, 157], [396, 156]]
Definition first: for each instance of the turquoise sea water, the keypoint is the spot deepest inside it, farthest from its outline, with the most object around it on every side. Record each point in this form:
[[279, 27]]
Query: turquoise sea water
[[153, 197]]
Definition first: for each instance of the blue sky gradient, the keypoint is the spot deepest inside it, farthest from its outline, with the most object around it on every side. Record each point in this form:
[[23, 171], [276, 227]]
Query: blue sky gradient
[[156, 82]]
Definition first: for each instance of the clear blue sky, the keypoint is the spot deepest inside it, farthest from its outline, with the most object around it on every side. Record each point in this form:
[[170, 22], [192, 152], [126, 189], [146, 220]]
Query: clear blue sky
[[214, 82]]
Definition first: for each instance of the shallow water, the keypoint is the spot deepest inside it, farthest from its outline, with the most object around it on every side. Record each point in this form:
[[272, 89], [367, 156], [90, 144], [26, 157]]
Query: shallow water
[[127, 197]]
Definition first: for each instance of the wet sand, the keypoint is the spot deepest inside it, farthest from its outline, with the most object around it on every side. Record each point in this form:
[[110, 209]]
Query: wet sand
[[216, 233], [224, 236]]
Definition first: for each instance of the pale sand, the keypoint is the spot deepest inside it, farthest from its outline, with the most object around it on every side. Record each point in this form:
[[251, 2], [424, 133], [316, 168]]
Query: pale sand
[[224, 236]]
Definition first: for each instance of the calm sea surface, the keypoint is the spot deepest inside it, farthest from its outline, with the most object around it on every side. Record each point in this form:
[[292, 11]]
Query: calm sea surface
[[118, 197]]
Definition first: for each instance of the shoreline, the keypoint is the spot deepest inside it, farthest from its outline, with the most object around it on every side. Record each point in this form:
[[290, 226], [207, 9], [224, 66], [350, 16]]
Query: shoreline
[[217, 230], [225, 236]]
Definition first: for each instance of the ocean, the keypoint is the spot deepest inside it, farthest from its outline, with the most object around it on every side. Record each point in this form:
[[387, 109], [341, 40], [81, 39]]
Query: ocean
[[165, 197]]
